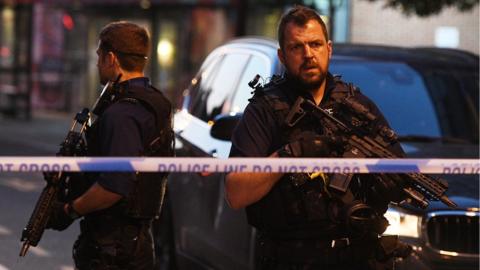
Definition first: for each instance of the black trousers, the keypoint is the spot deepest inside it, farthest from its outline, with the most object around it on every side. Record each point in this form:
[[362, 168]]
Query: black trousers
[[121, 247], [314, 255], [365, 265]]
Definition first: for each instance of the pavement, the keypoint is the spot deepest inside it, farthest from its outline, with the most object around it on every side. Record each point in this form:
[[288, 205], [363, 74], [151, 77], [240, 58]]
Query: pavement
[[19, 192], [39, 136]]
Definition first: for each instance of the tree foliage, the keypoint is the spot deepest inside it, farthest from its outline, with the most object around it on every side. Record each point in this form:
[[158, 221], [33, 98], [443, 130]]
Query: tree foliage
[[424, 8]]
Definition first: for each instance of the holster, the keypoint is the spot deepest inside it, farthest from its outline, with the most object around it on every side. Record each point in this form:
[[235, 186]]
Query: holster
[[115, 245]]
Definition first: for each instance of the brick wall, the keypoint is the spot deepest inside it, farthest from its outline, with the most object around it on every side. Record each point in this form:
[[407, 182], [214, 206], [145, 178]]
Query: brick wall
[[372, 23]]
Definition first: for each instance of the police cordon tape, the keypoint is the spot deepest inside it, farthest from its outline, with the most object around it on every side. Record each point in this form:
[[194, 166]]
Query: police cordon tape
[[213, 165]]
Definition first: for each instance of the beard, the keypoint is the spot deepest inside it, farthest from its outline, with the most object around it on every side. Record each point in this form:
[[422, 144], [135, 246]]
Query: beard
[[306, 81], [105, 76], [309, 83], [103, 81]]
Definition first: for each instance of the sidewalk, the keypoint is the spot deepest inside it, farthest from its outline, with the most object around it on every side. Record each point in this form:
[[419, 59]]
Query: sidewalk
[[40, 136], [19, 192]]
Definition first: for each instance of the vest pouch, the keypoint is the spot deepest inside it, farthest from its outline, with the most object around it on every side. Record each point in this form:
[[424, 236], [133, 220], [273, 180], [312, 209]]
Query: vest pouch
[[292, 202], [146, 199], [304, 203], [315, 202]]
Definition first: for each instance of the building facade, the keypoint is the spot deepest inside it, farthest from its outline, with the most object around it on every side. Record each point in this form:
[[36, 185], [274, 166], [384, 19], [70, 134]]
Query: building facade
[[53, 43], [372, 23], [47, 47]]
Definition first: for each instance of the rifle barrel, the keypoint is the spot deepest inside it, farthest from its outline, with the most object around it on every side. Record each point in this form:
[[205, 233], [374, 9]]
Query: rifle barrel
[[24, 249]]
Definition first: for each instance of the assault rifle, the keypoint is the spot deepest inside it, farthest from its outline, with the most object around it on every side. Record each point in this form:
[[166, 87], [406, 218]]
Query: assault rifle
[[72, 145], [355, 130]]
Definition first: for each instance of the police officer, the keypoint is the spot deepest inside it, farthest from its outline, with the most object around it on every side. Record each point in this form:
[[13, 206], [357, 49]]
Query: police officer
[[118, 208], [301, 221]]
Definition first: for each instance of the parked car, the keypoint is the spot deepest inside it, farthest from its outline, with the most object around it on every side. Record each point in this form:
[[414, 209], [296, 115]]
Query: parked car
[[429, 96]]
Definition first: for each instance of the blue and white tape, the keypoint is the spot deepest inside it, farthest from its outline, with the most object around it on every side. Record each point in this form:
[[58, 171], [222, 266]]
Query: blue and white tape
[[213, 165]]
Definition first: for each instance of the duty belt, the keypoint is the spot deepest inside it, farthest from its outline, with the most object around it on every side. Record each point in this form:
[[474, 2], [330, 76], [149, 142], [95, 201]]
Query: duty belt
[[325, 252], [107, 223]]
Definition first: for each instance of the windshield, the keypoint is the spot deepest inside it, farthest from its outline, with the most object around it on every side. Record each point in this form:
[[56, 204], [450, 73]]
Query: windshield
[[411, 102]]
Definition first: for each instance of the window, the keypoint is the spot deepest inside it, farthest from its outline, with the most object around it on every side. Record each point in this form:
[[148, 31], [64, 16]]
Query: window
[[199, 88], [399, 92], [216, 84], [453, 94], [7, 36]]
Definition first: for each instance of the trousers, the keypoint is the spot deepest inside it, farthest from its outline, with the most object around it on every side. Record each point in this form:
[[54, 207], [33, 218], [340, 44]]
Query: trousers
[[309, 254], [114, 247]]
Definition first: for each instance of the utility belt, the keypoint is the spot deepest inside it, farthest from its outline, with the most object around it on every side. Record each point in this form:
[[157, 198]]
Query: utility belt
[[105, 224], [118, 244], [338, 251], [312, 231]]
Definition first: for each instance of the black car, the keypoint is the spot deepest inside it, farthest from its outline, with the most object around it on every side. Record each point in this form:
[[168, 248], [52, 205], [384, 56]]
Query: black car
[[429, 96]]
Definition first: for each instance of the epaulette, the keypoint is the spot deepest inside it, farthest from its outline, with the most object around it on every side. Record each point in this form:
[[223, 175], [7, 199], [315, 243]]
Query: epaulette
[[275, 80], [260, 89]]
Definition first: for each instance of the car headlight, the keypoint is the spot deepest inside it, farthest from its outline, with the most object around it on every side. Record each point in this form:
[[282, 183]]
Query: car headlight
[[402, 224]]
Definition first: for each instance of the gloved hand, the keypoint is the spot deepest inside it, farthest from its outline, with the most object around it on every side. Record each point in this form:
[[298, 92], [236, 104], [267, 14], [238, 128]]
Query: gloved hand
[[310, 146], [59, 220], [389, 187], [391, 247]]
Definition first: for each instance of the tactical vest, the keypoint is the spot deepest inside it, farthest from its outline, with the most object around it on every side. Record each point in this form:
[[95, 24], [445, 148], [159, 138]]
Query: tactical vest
[[146, 198], [293, 210]]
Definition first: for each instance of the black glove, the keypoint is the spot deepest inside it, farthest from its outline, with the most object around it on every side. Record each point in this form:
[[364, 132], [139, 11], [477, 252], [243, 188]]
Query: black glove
[[391, 247], [390, 187], [59, 220], [310, 146]]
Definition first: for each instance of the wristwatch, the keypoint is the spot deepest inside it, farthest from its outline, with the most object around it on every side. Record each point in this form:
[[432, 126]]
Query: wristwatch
[[71, 211]]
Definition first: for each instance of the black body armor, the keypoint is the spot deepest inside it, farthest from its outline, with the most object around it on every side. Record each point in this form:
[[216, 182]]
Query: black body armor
[[145, 200], [303, 206]]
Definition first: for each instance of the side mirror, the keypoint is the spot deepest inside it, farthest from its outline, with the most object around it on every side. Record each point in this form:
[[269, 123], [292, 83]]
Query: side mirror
[[224, 125]]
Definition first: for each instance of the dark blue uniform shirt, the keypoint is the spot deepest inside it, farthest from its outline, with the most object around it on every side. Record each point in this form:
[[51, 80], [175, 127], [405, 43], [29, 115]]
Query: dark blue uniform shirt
[[124, 129]]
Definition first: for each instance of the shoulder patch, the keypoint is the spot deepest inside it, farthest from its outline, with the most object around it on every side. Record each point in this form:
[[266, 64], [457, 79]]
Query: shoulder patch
[[260, 90]]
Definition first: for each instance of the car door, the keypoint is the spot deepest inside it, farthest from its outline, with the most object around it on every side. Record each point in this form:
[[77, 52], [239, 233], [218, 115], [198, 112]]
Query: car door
[[232, 237], [194, 196], [206, 229]]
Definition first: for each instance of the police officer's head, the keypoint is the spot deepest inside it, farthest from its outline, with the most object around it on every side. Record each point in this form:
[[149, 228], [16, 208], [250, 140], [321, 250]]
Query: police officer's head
[[305, 49], [123, 47]]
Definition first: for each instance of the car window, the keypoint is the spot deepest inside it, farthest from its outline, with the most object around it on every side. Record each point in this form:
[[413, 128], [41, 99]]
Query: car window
[[256, 65], [454, 99], [198, 91], [225, 82], [216, 84], [399, 92], [470, 83]]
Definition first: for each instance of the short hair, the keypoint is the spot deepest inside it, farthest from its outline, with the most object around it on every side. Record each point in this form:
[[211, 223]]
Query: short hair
[[128, 41], [299, 15]]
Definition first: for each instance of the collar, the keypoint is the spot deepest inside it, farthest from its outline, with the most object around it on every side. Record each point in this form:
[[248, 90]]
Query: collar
[[132, 84], [331, 84]]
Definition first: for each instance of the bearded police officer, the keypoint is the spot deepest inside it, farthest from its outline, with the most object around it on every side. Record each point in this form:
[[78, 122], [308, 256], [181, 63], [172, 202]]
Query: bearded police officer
[[301, 222], [118, 208]]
